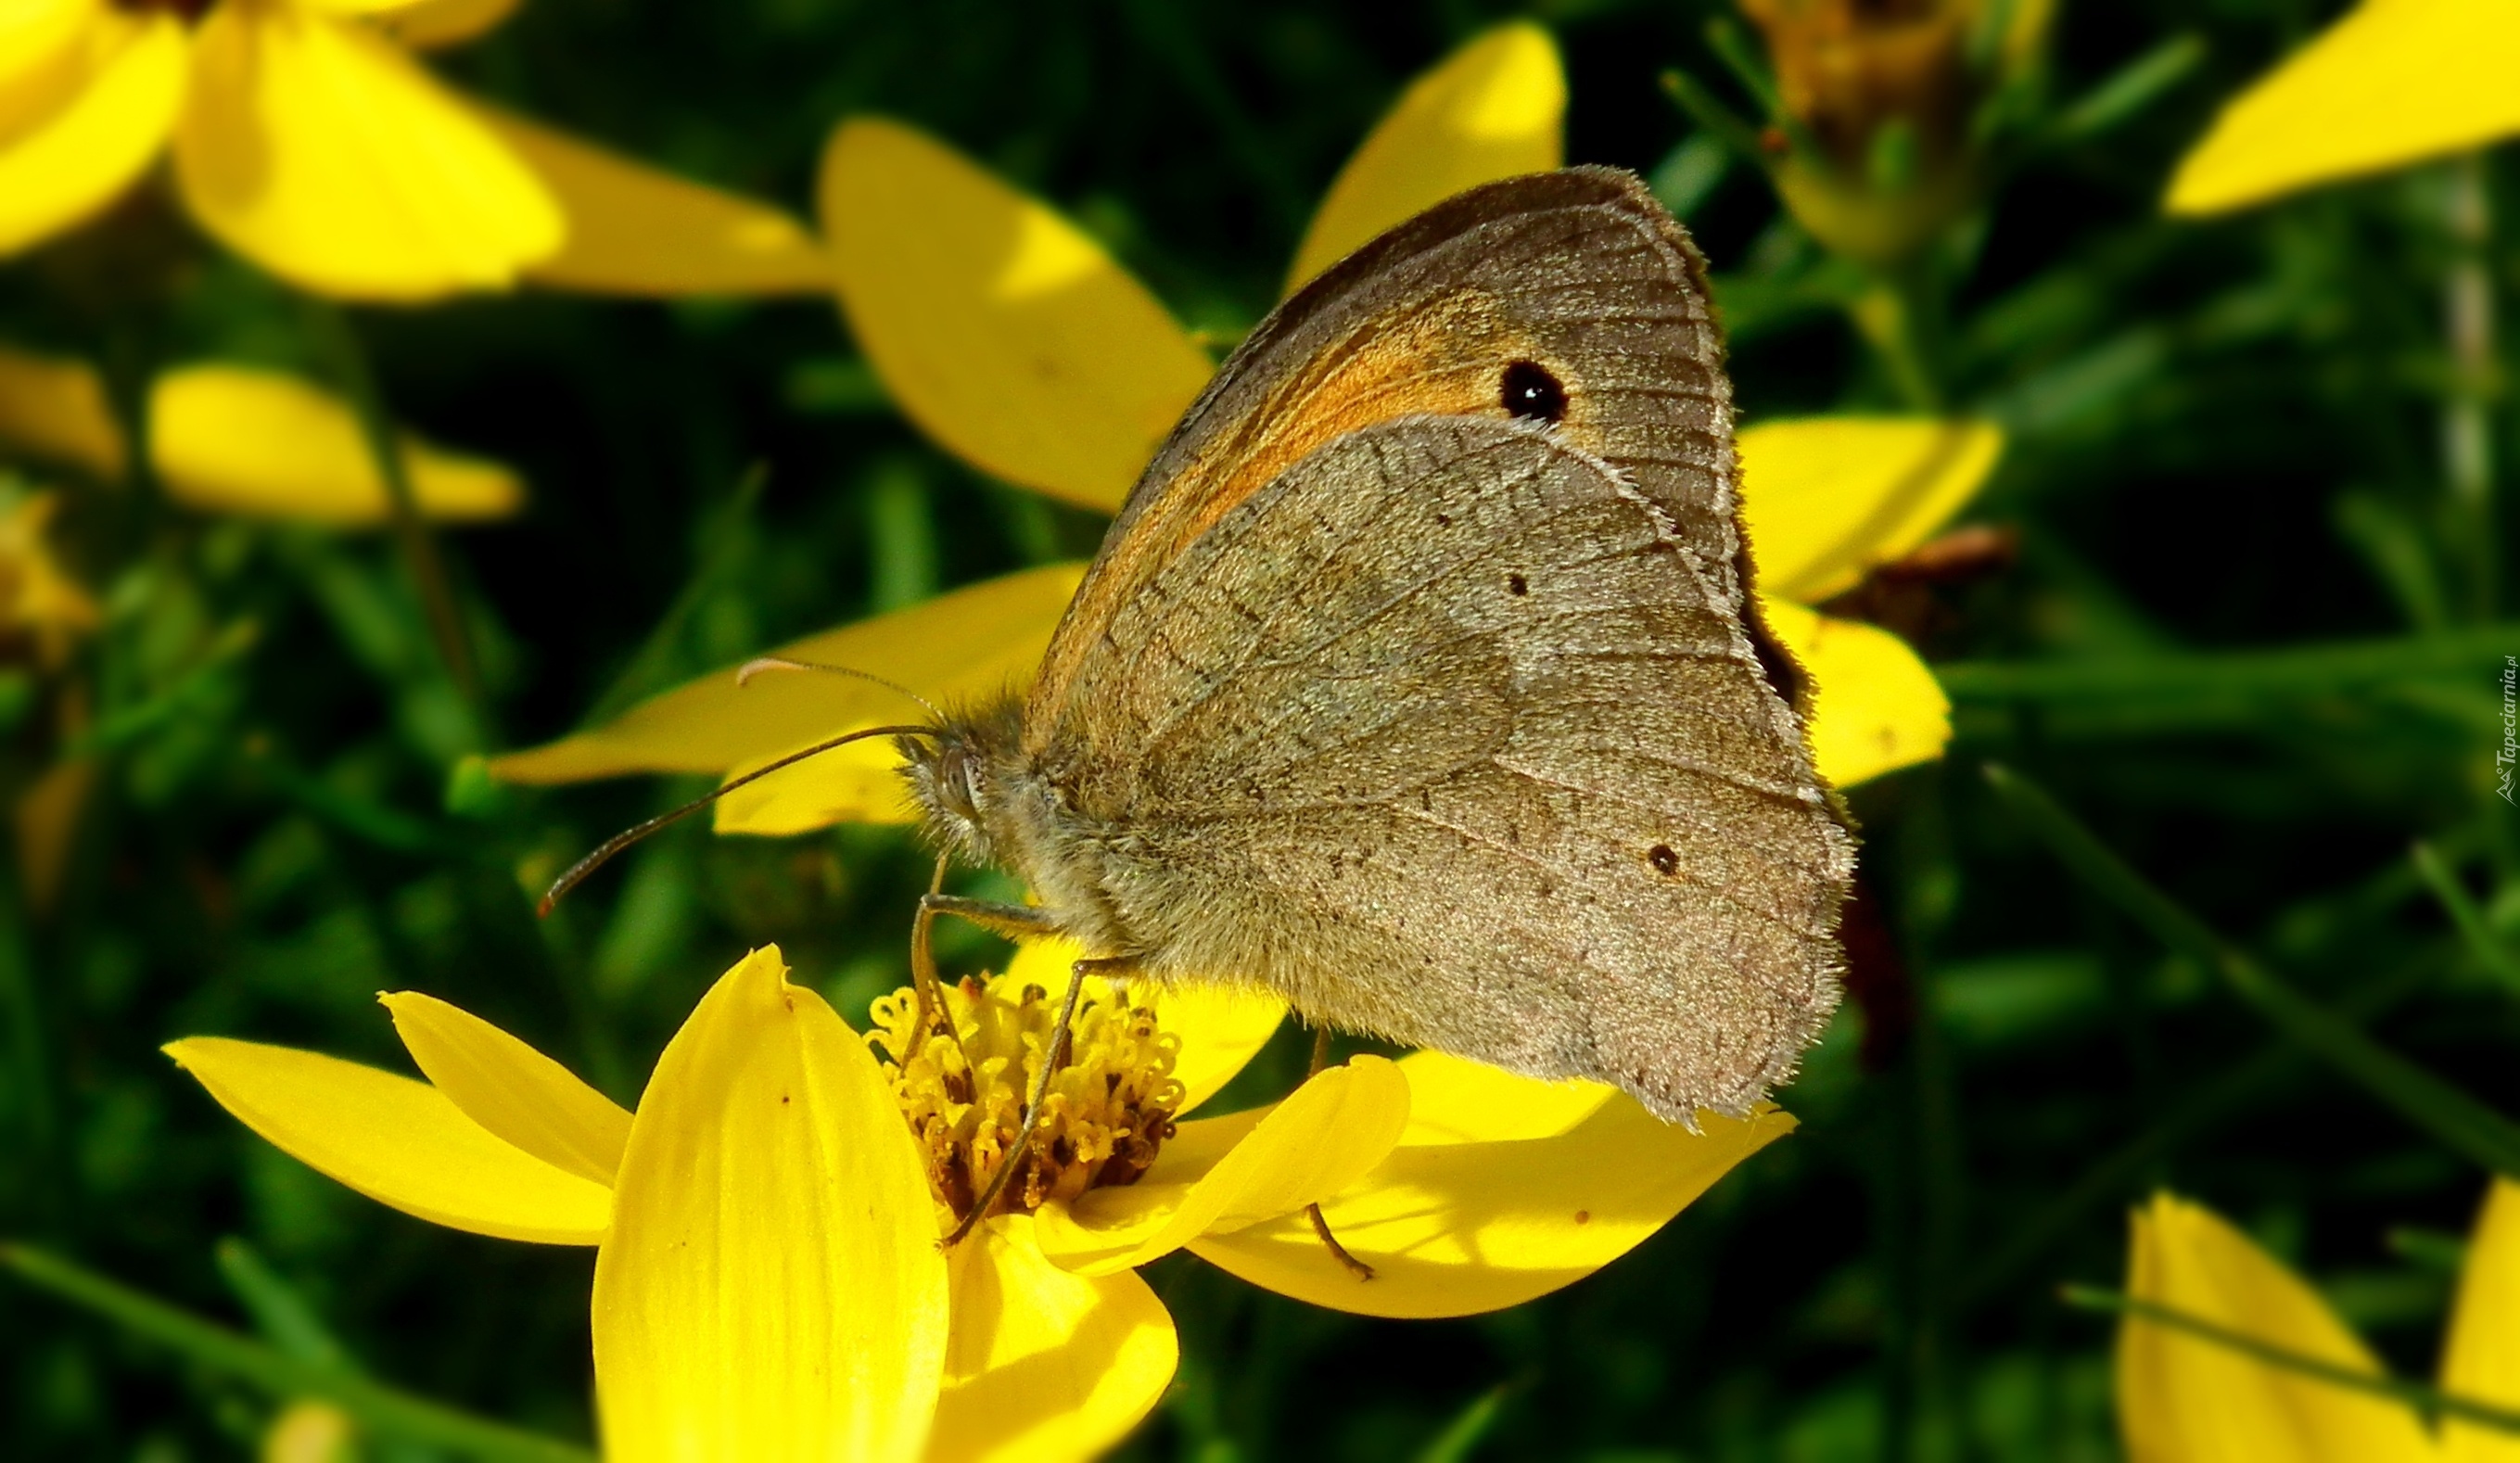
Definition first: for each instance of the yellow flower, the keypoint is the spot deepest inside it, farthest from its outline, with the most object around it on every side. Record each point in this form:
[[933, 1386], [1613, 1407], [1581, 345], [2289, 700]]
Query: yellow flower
[[767, 1276], [1823, 500], [1463, 1189], [2394, 82], [306, 137], [1017, 343], [233, 439], [1885, 97], [2182, 1399]]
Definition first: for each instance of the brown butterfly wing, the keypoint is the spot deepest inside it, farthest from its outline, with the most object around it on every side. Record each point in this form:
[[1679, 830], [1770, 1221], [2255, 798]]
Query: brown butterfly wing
[[1443, 734], [1579, 271], [1448, 727]]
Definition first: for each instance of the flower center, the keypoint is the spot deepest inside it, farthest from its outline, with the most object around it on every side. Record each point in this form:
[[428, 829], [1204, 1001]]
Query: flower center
[[1109, 1107]]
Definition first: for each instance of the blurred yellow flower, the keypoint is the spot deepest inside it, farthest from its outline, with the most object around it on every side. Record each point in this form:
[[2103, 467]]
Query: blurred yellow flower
[[1824, 498], [1020, 345], [2182, 1399], [238, 440], [307, 139], [2392, 83], [43, 612], [1885, 96], [310, 1432]]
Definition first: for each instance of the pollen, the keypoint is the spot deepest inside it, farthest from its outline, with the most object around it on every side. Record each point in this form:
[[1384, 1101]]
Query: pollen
[[1108, 1110]]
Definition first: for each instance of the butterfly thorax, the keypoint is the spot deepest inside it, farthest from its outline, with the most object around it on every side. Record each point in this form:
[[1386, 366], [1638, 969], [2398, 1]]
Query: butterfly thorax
[[987, 802]]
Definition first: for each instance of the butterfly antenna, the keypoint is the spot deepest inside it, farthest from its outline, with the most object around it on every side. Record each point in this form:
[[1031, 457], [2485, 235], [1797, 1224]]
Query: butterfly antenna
[[744, 672], [605, 851]]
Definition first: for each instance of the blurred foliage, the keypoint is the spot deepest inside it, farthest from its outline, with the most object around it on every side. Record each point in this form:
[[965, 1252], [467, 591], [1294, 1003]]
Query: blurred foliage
[[2224, 471]]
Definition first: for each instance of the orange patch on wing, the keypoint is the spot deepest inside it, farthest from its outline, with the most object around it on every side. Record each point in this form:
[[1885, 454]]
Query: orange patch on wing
[[1444, 358]]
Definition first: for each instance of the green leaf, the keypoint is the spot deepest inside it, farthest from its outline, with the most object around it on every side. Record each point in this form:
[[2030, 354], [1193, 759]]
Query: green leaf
[[2130, 88], [2482, 941], [2304, 671]]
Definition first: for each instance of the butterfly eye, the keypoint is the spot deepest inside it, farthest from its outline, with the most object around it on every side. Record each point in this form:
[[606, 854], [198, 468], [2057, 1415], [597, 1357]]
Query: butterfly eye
[[1532, 393]]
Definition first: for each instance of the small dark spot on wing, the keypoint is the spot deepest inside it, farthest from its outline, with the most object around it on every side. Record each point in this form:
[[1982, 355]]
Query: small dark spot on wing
[[1529, 391], [1664, 860]]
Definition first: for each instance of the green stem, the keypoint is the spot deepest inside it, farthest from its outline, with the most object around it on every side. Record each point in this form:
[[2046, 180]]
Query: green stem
[[419, 552], [1895, 318], [2482, 941], [2450, 1115], [1717, 120], [2309, 670], [2467, 424], [2430, 1401], [381, 1408]]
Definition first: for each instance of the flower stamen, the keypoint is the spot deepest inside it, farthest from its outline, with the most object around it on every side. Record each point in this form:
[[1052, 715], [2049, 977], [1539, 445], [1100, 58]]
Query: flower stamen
[[963, 1076]]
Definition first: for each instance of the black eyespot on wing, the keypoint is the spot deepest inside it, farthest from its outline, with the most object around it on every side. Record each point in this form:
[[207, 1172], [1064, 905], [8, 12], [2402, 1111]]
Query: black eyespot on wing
[[1530, 393], [1664, 860], [1515, 584]]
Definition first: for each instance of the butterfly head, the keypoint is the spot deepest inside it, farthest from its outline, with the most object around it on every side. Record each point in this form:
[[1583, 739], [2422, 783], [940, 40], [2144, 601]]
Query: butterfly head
[[953, 776]]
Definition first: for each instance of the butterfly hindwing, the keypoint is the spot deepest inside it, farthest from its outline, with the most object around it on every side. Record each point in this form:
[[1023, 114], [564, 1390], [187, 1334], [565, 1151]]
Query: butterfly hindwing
[[1444, 733]]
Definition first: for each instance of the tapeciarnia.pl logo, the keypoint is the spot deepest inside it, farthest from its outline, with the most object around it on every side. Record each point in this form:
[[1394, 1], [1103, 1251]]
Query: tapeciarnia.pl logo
[[2510, 750]]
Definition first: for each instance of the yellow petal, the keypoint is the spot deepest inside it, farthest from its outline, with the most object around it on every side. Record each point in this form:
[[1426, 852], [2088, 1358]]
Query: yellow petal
[[376, 8], [2186, 1399], [1875, 707], [2482, 1361], [956, 648], [1827, 498], [431, 23], [771, 1288], [633, 229], [398, 1142], [47, 823], [2394, 82], [41, 43], [310, 1432], [56, 409], [1455, 1228], [1219, 1026], [1455, 1102], [510, 1088], [87, 96], [226, 439], [86, 99], [43, 604], [315, 148], [1001, 329], [1494, 109], [1218, 1175], [1045, 1364]]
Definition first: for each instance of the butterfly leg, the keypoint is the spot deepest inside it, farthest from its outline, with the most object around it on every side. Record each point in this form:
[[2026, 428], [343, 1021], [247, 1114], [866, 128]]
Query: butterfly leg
[[1322, 1227], [1053, 1057], [1012, 920]]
